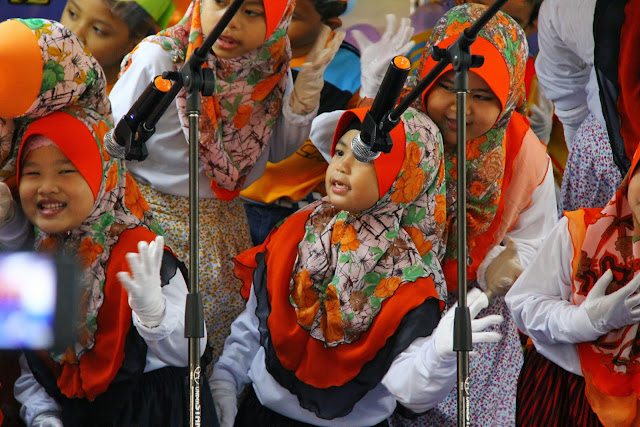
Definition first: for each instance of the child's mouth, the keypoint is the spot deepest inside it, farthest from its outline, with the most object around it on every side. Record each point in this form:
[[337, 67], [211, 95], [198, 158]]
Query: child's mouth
[[338, 187], [227, 43], [51, 208]]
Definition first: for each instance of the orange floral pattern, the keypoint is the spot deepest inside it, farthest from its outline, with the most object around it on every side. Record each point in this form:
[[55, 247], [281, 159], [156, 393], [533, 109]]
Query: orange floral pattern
[[89, 251], [133, 199], [485, 163], [345, 259], [238, 118]]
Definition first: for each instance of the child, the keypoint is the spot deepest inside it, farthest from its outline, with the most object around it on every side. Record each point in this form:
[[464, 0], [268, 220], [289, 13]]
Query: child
[[345, 296], [510, 196], [577, 300], [299, 179], [130, 354], [111, 28], [255, 115], [56, 72]]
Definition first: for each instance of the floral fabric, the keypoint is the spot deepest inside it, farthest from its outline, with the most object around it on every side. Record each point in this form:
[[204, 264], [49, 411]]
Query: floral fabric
[[348, 264], [70, 76], [486, 155], [238, 119], [118, 206]]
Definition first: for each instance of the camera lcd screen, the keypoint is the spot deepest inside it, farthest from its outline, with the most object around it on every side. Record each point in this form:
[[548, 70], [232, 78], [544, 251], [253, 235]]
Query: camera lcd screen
[[33, 310]]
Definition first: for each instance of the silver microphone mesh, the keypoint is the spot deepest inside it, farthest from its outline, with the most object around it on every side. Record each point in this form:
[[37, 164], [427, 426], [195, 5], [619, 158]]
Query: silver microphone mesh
[[112, 147], [361, 151]]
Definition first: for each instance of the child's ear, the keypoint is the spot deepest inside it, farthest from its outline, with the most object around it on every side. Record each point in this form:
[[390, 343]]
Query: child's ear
[[333, 23]]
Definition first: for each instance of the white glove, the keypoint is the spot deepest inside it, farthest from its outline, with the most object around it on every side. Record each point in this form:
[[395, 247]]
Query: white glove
[[225, 401], [375, 56], [47, 419], [145, 287], [309, 81], [616, 310], [503, 270], [7, 205], [443, 334]]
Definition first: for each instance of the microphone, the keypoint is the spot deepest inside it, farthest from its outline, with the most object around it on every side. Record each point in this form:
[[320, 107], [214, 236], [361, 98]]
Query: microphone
[[126, 140], [373, 137]]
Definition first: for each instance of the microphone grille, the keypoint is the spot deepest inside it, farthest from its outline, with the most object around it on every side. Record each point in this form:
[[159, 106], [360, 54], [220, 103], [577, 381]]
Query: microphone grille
[[112, 147], [361, 151]]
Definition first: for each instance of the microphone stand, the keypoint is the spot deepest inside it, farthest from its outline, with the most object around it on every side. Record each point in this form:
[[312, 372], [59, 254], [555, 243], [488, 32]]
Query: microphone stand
[[459, 56], [197, 81]]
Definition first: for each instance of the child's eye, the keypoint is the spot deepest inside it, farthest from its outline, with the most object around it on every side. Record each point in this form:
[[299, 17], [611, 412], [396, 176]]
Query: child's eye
[[72, 14], [30, 173], [481, 97], [221, 3], [446, 86], [67, 171], [253, 13], [338, 153], [99, 31]]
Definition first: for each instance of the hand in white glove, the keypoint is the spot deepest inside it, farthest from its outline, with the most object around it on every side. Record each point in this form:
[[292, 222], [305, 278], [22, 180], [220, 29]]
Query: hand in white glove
[[7, 205], [443, 334], [47, 419], [503, 270], [615, 310], [145, 287], [375, 56], [225, 401], [310, 81]]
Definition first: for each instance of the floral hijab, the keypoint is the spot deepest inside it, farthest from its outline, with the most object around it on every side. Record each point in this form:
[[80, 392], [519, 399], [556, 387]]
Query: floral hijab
[[237, 121], [56, 71], [118, 206], [603, 239], [348, 264], [503, 44]]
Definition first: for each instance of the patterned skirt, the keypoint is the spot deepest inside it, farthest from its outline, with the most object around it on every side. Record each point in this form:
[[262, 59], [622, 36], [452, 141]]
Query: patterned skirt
[[224, 233], [550, 396], [493, 377], [591, 177]]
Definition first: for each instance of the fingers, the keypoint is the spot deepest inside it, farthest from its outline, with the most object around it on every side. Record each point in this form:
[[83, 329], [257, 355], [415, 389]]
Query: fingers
[[127, 281], [361, 40], [478, 337], [484, 322], [404, 50], [320, 43], [391, 26], [601, 284], [480, 301]]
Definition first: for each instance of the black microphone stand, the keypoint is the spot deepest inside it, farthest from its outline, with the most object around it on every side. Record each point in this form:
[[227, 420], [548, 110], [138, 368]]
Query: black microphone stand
[[197, 81], [459, 56]]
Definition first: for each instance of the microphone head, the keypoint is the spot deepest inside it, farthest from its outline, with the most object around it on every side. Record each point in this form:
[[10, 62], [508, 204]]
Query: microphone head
[[361, 151], [111, 146]]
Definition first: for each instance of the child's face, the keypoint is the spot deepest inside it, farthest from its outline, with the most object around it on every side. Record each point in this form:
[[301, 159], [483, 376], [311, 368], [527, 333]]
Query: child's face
[[351, 185], [633, 194], [483, 107], [106, 36], [54, 195], [245, 32], [306, 24]]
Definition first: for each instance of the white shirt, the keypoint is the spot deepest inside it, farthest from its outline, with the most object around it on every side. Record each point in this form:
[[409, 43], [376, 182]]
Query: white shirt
[[418, 378], [564, 65], [167, 167], [540, 302]]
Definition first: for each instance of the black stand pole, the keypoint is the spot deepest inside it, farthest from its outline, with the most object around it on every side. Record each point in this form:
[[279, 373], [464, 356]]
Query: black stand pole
[[197, 82], [459, 56]]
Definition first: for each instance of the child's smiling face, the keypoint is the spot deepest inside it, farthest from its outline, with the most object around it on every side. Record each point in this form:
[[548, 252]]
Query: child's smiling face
[[483, 107], [54, 195], [245, 32]]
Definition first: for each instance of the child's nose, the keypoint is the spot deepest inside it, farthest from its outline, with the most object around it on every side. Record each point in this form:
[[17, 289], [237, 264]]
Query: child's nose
[[80, 29], [48, 186]]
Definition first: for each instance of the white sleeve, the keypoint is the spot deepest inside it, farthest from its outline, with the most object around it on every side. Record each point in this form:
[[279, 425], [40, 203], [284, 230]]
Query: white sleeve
[[33, 397], [15, 234], [419, 378], [534, 223], [540, 302], [166, 342], [565, 59], [240, 348]]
